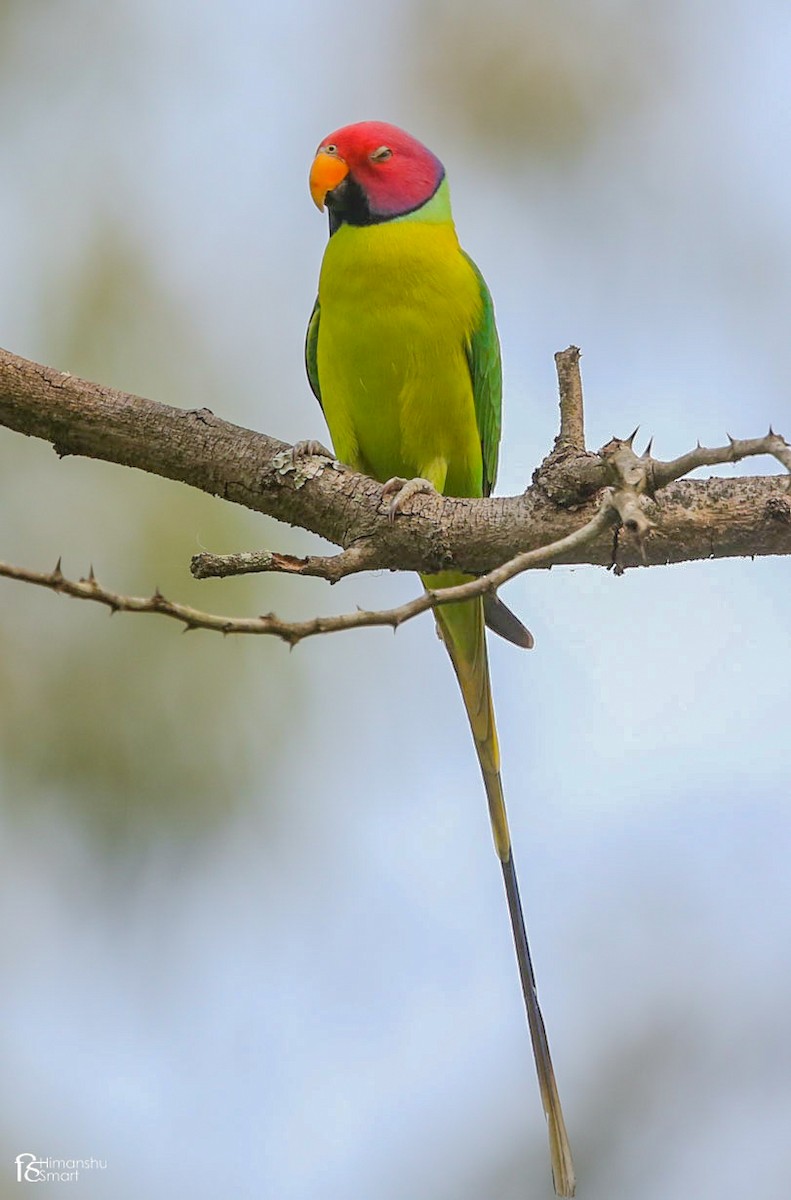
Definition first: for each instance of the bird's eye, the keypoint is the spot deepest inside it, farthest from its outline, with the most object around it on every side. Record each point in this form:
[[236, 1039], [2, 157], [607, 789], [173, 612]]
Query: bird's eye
[[331, 149], [382, 154]]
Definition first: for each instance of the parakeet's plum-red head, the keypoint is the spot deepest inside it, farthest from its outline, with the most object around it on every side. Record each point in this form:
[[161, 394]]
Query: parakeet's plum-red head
[[371, 172]]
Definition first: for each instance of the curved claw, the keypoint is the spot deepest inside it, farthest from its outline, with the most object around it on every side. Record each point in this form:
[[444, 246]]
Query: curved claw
[[307, 448], [402, 490]]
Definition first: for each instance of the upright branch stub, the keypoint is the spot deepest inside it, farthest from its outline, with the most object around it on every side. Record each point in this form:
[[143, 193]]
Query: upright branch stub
[[570, 474], [572, 417]]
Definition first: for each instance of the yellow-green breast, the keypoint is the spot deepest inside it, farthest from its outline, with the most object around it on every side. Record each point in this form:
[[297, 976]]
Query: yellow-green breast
[[399, 302]]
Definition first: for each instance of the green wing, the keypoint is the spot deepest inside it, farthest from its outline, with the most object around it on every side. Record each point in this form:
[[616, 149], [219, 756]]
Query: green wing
[[483, 355], [311, 345]]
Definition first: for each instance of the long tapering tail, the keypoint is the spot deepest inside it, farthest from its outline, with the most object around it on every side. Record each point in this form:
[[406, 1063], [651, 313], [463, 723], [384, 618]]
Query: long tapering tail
[[461, 627]]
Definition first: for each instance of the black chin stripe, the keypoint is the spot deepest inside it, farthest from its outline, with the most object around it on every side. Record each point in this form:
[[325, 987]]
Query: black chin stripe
[[348, 205]]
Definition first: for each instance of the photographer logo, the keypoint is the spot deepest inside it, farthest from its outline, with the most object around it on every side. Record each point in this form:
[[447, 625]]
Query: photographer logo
[[32, 1169]]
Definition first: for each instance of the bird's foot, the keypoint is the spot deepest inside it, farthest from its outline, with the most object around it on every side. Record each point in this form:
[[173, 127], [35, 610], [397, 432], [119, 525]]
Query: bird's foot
[[307, 448], [402, 490]]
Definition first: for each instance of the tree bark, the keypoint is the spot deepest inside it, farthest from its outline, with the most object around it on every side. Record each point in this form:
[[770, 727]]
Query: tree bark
[[692, 519]]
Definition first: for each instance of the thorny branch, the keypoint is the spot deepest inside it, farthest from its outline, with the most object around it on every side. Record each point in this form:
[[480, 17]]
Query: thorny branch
[[296, 631], [634, 480], [714, 518], [577, 499]]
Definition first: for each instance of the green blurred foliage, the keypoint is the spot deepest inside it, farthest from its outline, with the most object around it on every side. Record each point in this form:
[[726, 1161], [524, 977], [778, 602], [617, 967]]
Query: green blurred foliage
[[7, 13], [541, 80], [135, 729]]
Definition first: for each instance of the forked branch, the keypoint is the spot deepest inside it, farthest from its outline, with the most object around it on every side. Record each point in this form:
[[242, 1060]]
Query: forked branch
[[568, 516]]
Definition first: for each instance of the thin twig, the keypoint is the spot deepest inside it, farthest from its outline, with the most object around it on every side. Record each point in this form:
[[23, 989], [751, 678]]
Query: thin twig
[[773, 444], [295, 631], [331, 567]]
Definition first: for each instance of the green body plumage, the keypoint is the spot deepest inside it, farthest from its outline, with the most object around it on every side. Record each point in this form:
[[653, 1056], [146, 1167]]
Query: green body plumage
[[403, 354]]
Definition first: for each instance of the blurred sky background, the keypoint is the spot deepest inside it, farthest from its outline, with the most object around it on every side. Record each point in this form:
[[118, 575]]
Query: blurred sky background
[[253, 939]]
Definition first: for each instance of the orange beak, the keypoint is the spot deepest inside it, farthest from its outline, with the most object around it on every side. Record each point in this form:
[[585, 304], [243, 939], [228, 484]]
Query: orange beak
[[326, 173]]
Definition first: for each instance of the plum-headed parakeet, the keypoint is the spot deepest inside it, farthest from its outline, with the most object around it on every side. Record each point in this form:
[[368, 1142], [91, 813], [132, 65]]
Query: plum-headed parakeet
[[403, 356]]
